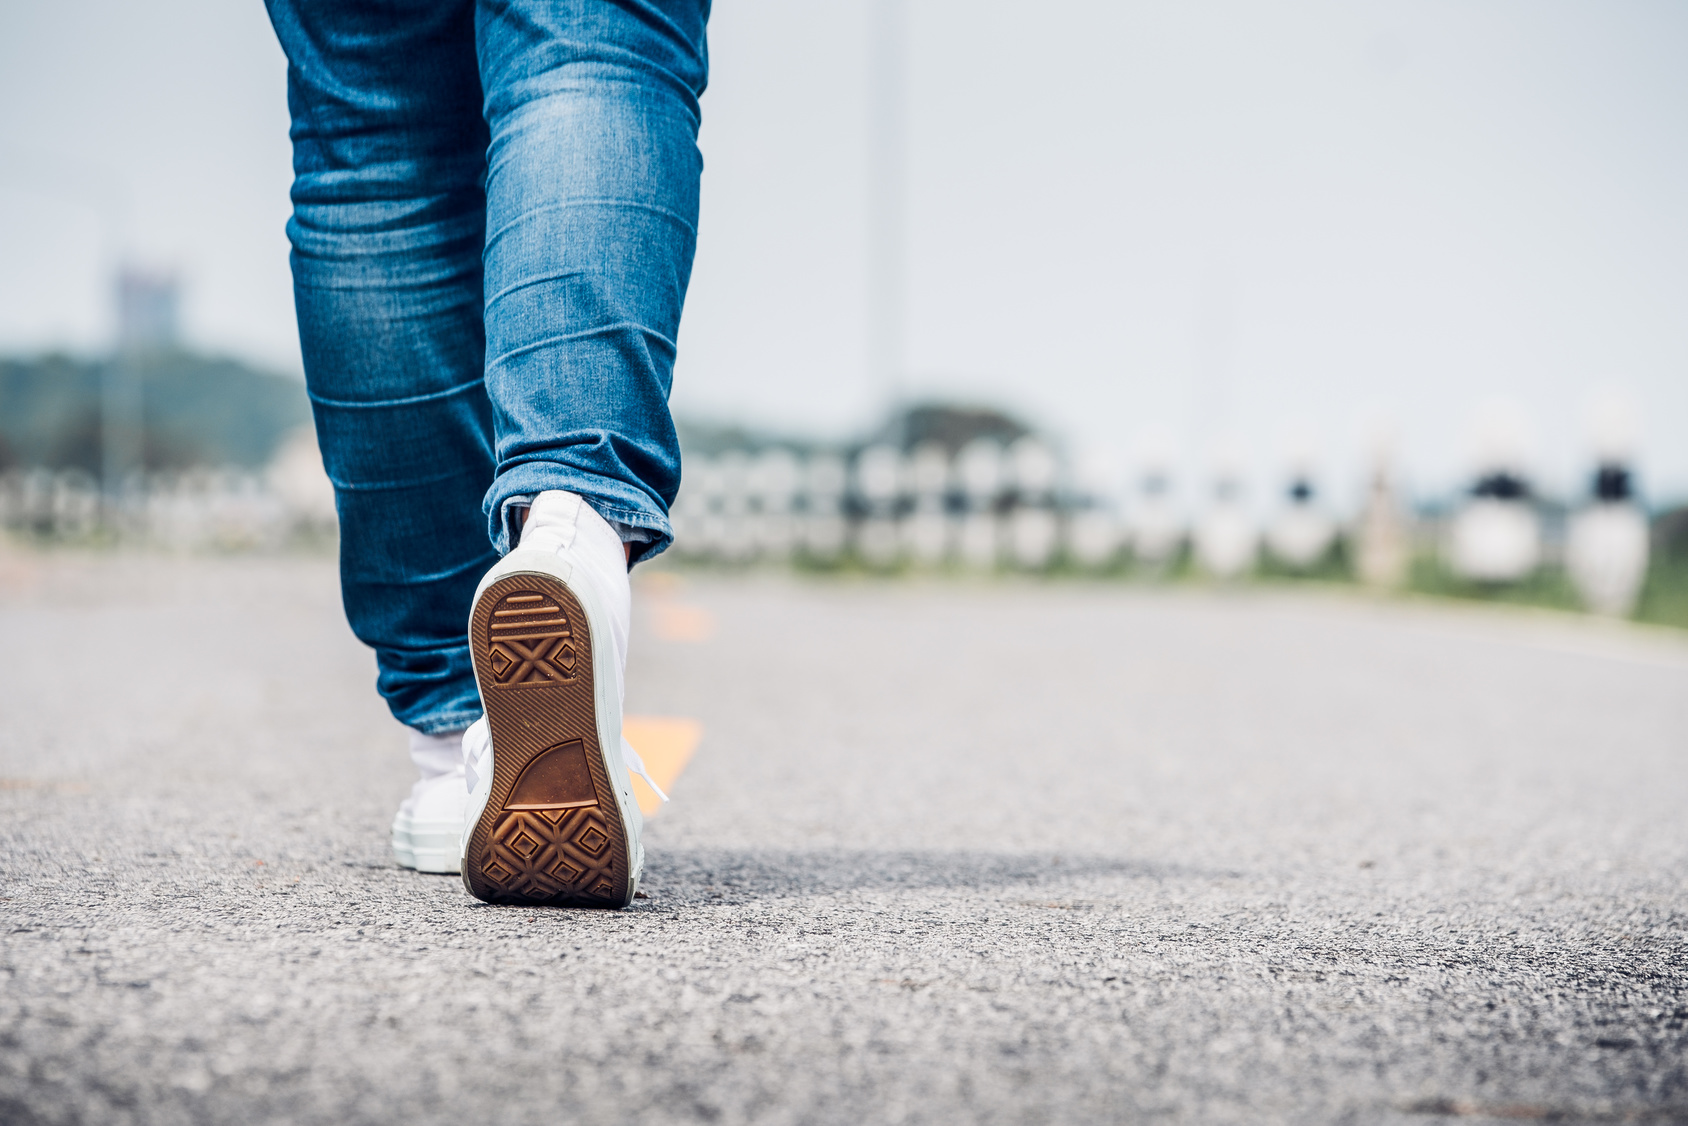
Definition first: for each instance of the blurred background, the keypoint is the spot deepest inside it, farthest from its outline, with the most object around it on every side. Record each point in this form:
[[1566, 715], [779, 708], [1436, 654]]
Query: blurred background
[[1362, 292]]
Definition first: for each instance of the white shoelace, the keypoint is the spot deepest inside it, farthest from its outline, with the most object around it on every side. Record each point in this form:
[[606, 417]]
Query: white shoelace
[[637, 766], [477, 741]]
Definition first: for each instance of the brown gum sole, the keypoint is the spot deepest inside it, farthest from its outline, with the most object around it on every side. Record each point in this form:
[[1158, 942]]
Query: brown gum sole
[[551, 832]]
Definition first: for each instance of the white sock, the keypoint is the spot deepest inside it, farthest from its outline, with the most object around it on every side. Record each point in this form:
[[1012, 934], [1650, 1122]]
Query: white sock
[[435, 755]]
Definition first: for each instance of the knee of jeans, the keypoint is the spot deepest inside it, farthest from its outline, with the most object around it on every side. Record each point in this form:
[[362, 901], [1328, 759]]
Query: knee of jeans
[[363, 245], [593, 142], [392, 346]]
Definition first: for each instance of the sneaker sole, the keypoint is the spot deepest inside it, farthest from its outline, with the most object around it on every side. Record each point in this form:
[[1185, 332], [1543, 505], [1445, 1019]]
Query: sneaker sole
[[551, 831]]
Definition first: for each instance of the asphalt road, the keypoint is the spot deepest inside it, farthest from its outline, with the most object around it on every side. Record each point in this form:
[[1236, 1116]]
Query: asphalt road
[[990, 852]]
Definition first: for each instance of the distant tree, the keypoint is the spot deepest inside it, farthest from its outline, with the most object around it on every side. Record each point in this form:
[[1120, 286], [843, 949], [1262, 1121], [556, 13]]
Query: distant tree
[[197, 410]]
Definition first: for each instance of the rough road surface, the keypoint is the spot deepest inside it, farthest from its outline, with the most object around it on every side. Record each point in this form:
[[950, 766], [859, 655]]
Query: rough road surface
[[995, 853]]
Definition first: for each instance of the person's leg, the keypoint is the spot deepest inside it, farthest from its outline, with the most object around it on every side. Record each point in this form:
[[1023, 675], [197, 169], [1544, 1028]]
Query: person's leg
[[592, 180], [387, 231], [592, 201]]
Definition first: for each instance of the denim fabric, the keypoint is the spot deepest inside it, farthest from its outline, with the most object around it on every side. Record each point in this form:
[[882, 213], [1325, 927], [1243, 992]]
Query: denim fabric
[[494, 214]]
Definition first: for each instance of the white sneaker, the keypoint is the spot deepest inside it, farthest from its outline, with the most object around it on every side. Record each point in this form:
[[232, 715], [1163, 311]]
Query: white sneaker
[[551, 816], [429, 824]]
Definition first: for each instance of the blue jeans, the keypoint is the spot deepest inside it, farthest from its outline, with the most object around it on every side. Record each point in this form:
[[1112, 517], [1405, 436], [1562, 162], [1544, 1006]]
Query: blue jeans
[[494, 214]]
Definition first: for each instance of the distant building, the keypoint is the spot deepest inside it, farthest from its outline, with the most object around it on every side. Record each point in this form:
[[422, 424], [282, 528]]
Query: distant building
[[949, 425], [147, 308]]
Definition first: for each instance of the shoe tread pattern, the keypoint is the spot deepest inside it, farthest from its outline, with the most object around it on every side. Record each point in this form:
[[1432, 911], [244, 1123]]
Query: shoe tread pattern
[[551, 831]]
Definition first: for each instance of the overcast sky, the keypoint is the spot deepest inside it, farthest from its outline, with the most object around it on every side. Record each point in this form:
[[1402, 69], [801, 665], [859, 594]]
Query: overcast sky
[[1224, 222]]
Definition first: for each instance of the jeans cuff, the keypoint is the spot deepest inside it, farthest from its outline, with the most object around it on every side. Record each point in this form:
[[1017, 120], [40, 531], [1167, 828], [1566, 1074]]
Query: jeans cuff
[[637, 519], [444, 723]]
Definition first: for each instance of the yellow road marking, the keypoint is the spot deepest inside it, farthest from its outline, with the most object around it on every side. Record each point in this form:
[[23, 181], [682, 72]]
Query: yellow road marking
[[666, 744], [672, 619], [677, 621]]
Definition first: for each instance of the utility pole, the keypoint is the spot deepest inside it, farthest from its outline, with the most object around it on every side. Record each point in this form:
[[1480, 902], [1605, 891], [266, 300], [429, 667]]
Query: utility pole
[[146, 326], [105, 193], [886, 202], [120, 423]]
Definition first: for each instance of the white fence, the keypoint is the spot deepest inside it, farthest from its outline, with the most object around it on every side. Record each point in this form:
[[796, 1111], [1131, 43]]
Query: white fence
[[986, 507], [196, 510], [191, 510]]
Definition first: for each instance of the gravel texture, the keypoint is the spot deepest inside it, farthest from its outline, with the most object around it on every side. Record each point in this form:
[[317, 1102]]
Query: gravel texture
[[1008, 852]]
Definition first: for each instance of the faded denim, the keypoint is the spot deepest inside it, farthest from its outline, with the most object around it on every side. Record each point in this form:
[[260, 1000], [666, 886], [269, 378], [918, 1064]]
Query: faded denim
[[494, 215]]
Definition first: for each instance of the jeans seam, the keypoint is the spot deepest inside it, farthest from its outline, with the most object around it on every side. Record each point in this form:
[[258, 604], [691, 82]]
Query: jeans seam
[[602, 330], [631, 204], [632, 517], [448, 722], [512, 288], [429, 577], [393, 486], [432, 396], [447, 647]]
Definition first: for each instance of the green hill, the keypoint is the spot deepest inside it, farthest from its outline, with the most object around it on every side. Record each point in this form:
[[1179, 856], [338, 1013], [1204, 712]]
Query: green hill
[[197, 410]]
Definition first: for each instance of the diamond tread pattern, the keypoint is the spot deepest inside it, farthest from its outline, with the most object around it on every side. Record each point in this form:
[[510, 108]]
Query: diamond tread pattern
[[563, 842]]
